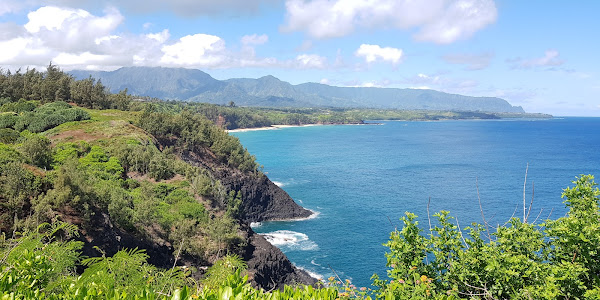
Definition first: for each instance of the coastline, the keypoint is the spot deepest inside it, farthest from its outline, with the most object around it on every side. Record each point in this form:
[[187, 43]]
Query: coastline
[[275, 127], [313, 214]]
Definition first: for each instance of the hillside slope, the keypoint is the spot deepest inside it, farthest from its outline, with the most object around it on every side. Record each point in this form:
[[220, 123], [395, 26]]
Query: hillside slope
[[126, 185]]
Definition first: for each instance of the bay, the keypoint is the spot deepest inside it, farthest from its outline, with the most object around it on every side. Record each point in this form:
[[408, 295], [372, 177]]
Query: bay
[[361, 179]]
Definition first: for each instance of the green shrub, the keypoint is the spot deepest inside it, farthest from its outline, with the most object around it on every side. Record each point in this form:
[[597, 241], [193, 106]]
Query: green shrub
[[8, 136], [8, 120]]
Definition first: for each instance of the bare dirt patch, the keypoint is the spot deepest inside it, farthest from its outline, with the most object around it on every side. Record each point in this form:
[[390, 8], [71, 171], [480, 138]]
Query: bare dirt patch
[[76, 135]]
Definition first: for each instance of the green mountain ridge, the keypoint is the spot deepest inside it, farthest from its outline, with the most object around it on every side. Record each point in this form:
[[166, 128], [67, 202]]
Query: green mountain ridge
[[268, 91]]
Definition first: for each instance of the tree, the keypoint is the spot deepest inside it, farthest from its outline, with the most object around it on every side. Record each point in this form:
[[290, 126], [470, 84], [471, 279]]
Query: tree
[[36, 149]]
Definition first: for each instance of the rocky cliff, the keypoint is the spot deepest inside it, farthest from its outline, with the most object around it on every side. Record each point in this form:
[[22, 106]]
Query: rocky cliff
[[262, 199], [268, 267]]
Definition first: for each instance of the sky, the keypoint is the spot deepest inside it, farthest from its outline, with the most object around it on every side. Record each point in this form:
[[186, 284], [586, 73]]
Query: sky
[[539, 54]]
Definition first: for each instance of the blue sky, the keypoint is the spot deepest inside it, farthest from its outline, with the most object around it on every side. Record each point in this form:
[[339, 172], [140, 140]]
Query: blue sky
[[541, 55]]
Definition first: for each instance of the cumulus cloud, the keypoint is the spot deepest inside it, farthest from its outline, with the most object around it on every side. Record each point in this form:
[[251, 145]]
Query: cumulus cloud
[[71, 29], [198, 49], [10, 31], [74, 38], [311, 61], [77, 39], [438, 21], [471, 61], [373, 53], [160, 37], [10, 6], [550, 59], [255, 39]]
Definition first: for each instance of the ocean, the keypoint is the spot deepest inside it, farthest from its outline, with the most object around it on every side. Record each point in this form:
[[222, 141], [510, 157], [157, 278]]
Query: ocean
[[360, 179]]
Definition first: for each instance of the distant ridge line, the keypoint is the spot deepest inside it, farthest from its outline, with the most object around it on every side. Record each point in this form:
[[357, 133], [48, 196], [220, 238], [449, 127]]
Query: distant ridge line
[[268, 91]]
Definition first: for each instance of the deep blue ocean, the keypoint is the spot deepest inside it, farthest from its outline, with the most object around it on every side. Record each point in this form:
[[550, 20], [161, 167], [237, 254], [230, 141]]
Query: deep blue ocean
[[360, 179]]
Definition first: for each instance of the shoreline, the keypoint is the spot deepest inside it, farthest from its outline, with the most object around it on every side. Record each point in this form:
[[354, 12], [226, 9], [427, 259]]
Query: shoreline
[[313, 215], [276, 127]]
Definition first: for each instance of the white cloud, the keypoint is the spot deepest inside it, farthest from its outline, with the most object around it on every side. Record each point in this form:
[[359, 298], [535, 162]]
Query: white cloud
[[255, 39], [311, 61], [13, 48], [324, 81], [79, 59], [160, 37], [551, 58], [10, 6], [438, 21], [472, 61], [66, 29], [197, 50], [460, 19], [52, 18], [77, 39], [373, 53]]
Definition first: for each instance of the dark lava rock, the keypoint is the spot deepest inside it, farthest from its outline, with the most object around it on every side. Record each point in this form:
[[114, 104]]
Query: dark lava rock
[[269, 268], [263, 200]]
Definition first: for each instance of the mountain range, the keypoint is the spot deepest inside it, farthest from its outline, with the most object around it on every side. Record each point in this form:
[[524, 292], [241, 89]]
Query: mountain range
[[268, 91]]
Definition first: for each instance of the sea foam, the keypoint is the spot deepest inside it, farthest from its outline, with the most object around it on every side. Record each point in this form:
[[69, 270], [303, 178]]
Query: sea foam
[[311, 273], [288, 240], [255, 224]]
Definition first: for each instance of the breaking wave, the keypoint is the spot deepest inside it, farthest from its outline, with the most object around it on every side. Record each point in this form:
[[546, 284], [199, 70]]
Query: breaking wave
[[288, 240]]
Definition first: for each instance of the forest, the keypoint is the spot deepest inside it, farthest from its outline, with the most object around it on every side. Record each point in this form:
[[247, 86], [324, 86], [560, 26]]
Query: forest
[[77, 162]]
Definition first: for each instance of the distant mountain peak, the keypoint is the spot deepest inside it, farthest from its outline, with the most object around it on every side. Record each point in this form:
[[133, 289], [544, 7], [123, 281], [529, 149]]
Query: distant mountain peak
[[269, 91]]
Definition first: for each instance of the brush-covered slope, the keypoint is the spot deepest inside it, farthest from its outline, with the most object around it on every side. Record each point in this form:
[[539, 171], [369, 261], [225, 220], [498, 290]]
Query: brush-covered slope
[[170, 183]]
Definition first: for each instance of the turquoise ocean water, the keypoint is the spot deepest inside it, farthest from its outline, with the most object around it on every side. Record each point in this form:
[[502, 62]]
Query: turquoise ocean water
[[360, 179]]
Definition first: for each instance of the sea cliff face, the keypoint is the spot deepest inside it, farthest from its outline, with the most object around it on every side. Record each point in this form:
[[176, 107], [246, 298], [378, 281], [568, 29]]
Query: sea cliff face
[[268, 267], [262, 199]]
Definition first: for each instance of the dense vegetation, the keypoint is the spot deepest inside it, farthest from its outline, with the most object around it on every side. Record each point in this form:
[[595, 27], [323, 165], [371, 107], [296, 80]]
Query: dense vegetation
[[557, 259], [59, 162], [61, 180], [233, 117]]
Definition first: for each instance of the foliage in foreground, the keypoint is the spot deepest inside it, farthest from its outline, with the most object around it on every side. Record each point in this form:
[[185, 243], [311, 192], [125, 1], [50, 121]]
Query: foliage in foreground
[[558, 259], [41, 265]]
